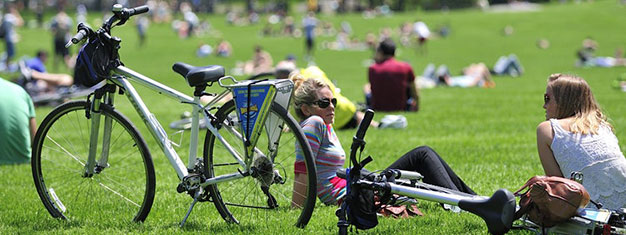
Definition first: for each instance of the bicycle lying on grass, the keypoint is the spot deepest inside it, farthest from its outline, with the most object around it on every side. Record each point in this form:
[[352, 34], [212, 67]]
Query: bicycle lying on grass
[[89, 161], [497, 211]]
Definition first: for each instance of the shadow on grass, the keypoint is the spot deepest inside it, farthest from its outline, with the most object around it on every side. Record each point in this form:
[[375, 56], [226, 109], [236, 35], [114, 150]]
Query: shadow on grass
[[221, 227]]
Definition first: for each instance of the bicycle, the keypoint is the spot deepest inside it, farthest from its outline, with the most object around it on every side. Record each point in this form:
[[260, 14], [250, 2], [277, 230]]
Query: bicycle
[[89, 161], [497, 211]]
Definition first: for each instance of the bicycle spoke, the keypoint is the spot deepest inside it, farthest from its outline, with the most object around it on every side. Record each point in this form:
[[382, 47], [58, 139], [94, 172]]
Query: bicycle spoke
[[67, 142], [60, 159], [65, 151], [119, 194]]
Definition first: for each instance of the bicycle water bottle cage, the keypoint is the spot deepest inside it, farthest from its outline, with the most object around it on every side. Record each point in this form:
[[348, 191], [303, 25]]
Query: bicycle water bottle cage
[[199, 76]]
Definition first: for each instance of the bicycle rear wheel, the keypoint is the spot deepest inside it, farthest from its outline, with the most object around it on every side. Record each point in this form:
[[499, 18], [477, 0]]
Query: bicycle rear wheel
[[245, 199], [122, 189]]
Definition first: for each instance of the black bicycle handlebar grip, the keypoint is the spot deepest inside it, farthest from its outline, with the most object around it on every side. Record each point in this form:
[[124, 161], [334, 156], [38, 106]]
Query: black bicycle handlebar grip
[[365, 123], [138, 10]]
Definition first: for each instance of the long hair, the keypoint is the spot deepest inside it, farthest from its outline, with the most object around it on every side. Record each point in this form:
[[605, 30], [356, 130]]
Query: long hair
[[305, 91], [574, 98]]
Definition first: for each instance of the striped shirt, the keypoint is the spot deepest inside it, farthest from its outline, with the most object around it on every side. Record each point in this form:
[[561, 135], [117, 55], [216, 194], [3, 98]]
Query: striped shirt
[[329, 157]]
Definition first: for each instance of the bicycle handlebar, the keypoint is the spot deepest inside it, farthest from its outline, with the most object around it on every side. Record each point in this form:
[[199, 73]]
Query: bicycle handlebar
[[138, 10], [119, 14], [124, 13], [365, 123], [357, 141], [77, 38]]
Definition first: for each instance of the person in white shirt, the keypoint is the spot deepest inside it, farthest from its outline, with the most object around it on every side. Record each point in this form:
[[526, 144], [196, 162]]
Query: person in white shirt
[[576, 137], [423, 33]]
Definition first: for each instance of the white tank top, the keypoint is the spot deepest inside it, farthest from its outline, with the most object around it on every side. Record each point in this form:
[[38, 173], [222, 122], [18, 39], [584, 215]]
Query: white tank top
[[600, 160]]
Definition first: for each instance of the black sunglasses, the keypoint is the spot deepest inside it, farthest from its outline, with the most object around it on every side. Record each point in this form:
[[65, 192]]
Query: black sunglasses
[[546, 98], [324, 103]]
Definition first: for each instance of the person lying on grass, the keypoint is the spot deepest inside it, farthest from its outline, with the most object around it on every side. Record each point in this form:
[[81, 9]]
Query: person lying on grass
[[315, 107]]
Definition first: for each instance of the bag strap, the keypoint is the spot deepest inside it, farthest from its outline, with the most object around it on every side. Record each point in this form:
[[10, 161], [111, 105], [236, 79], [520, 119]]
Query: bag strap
[[530, 181]]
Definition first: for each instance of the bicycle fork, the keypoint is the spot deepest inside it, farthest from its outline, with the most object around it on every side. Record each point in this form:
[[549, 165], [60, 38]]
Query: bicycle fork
[[94, 113]]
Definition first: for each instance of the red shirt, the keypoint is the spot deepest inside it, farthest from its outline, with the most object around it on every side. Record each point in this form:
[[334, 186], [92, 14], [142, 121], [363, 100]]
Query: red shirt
[[390, 80]]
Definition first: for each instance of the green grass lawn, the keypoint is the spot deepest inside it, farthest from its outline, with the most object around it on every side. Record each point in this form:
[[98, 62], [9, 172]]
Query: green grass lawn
[[486, 135]]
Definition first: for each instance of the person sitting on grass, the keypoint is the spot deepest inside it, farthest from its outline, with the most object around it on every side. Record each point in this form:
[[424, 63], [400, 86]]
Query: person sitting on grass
[[391, 84], [17, 124], [261, 62], [315, 107], [576, 137]]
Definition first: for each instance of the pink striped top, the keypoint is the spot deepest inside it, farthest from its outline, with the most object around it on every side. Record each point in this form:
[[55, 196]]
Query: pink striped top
[[329, 157]]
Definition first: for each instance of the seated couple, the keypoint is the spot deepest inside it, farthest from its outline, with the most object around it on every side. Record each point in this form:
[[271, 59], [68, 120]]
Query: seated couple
[[576, 136]]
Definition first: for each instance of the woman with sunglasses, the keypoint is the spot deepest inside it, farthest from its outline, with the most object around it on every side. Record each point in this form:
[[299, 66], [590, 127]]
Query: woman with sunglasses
[[576, 137], [315, 107]]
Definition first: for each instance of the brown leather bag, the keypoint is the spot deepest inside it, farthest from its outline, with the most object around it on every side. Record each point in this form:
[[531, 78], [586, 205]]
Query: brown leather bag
[[550, 200]]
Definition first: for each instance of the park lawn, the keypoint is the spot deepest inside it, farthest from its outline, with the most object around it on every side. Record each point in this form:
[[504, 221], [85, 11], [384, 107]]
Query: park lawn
[[486, 135]]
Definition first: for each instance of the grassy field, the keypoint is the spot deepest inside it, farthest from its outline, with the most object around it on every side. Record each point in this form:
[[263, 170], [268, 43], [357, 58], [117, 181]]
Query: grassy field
[[486, 135]]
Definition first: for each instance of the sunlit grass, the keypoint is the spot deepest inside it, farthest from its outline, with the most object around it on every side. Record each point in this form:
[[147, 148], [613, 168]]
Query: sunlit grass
[[486, 135]]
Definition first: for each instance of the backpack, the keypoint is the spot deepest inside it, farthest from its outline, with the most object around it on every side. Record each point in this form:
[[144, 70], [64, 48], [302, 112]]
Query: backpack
[[95, 61], [550, 200], [360, 206]]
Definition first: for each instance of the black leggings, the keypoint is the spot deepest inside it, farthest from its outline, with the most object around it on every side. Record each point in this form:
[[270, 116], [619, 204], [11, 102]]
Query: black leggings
[[435, 170]]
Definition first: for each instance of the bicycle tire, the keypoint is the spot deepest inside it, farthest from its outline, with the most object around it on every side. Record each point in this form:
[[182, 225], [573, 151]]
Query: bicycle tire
[[122, 190], [243, 199]]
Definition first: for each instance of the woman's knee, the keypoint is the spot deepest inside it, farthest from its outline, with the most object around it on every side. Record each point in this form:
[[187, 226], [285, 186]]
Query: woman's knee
[[421, 154], [424, 150]]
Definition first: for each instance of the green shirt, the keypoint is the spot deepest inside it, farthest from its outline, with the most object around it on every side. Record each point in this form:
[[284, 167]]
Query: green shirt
[[16, 110]]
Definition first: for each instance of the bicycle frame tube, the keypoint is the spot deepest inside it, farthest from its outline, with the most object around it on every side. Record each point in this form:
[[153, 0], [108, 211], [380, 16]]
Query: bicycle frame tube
[[155, 127], [429, 195]]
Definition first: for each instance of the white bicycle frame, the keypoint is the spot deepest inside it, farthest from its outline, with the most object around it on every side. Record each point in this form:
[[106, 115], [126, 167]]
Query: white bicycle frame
[[121, 78]]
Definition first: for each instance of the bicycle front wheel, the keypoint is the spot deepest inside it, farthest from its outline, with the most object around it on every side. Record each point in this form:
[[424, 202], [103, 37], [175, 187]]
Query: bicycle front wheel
[[121, 188], [269, 195]]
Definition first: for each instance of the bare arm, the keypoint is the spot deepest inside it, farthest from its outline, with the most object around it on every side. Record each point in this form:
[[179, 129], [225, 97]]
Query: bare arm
[[299, 183], [299, 190], [33, 128], [56, 79], [544, 140]]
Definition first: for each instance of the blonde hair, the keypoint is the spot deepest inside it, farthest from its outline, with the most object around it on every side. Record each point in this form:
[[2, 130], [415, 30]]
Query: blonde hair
[[574, 98], [305, 91]]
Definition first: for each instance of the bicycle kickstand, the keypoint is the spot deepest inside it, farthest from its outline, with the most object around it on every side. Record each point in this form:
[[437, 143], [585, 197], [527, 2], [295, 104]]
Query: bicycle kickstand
[[193, 203]]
